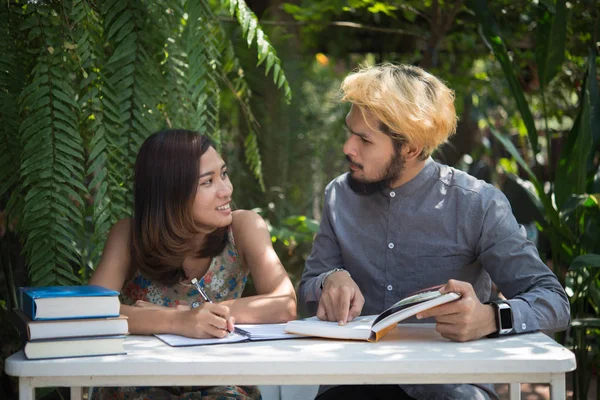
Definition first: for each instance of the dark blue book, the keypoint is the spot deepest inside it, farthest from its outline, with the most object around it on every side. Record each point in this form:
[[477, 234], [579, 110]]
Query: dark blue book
[[69, 302]]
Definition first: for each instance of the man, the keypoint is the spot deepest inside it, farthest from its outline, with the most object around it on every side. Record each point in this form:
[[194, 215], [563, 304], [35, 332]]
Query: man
[[399, 222]]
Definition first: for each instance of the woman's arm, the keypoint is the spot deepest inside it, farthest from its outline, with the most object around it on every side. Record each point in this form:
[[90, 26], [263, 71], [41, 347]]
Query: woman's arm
[[276, 299], [205, 321]]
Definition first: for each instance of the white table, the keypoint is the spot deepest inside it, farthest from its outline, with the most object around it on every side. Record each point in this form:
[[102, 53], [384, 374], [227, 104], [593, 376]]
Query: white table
[[410, 354]]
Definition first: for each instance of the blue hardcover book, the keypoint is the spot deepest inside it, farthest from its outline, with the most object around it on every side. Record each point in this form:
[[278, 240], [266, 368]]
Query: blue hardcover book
[[67, 302]]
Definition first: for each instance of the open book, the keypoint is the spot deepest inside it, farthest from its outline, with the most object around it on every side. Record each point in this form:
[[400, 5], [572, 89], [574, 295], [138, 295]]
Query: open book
[[242, 333], [372, 327]]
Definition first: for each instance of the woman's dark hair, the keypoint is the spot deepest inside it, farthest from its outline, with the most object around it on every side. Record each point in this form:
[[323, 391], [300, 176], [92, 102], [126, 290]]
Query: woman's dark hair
[[163, 229]]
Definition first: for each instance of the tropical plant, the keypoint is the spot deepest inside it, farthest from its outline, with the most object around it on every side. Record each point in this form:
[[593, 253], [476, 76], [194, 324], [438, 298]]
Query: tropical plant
[[568, 199], [82, 84]]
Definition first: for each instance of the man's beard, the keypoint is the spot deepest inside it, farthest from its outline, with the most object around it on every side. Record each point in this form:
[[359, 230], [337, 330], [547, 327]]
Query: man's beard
[[393, 171]]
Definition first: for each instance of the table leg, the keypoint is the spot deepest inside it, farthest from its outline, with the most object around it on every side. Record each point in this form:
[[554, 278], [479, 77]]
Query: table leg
[[76, 393], [26, 389], [514, 391], [558, 388]]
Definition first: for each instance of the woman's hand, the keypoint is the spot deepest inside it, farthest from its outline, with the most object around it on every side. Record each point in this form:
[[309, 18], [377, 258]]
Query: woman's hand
[[207, 320]]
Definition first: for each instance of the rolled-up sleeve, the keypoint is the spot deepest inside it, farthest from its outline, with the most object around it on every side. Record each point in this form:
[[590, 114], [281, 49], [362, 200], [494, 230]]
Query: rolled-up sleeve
[[537, 299]]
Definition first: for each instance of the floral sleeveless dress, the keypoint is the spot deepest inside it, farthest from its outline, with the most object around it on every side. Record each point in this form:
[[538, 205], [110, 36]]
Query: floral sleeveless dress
[[225, 279]]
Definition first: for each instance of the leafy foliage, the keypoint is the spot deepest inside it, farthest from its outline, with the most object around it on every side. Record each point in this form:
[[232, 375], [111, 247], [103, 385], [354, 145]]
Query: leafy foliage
[[242, 93], [266, 52], [550, 41], [51, 171], [82, 84], [204, 60], [491, 35], [11, 78], [569, 209], [87, 37]]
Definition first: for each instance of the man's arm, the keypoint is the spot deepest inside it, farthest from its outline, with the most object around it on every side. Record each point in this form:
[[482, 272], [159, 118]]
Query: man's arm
[[537, 299], [324, 257], [340, 299]]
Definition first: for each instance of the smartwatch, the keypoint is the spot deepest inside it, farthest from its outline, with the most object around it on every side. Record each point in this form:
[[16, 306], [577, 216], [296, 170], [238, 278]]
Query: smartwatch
[[504, 318]]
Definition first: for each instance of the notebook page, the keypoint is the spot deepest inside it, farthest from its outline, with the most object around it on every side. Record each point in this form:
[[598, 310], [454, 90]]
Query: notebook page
[[267, 331], [178, 341]]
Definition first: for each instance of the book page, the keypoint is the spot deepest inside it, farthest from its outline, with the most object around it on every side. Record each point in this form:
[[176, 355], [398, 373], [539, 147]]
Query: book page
[[395, 315], [409, 302], [417, 298], [359, 328]]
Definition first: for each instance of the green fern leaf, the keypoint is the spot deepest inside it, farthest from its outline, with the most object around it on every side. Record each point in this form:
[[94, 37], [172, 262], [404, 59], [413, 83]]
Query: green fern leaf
[[51, 155], [251, 28], [11, 78], [128, 98]]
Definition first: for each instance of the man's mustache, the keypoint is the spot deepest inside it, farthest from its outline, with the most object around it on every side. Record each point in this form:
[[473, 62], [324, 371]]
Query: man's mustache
[[360, 166]]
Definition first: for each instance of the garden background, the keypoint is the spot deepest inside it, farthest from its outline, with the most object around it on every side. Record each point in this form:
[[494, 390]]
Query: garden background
[[84, 82]]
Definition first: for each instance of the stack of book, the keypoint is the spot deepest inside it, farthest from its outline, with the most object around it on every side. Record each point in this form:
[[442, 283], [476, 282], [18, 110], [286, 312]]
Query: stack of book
[[70, 321]]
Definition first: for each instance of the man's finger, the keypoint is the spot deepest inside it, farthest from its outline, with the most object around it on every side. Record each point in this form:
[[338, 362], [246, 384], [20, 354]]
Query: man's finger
[[330, 315], [453, 332], [342, 306], [453, 307], [464, 288], [321, 314], [356, 308], [451, 319], [446, 329]]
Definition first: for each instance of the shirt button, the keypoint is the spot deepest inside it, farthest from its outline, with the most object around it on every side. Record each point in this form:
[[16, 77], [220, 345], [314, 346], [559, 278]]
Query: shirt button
[[390, 287], [391, 245], [524, 326], [392, 194]]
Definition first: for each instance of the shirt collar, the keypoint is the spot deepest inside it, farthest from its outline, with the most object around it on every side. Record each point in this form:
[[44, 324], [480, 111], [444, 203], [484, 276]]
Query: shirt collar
[[423, 176]]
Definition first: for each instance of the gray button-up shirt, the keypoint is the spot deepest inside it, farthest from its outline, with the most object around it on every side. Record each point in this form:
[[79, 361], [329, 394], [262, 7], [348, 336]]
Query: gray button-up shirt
[[443, 224]]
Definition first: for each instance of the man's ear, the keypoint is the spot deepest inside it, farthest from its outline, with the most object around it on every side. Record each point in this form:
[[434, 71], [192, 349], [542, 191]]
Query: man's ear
[[411, 152]]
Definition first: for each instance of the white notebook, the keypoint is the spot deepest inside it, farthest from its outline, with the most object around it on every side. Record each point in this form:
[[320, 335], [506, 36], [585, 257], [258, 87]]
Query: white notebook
[[243, 333]]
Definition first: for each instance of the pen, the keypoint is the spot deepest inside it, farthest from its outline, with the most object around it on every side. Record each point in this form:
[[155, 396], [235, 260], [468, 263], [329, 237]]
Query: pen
[[208, 300], [201, 291]]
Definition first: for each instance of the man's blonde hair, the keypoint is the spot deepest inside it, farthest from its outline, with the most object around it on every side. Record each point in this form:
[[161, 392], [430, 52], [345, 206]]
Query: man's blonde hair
[[411, 104]]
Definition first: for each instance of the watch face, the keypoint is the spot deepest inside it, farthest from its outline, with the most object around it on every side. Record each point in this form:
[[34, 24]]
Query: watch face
[[505, 319]]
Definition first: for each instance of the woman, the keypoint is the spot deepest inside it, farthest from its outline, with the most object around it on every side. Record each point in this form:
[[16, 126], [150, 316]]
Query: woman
[[183, 228]]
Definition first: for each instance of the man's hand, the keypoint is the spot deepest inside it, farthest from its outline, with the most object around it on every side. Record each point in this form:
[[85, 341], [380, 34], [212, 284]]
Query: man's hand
[[463, 319], [341, 299]]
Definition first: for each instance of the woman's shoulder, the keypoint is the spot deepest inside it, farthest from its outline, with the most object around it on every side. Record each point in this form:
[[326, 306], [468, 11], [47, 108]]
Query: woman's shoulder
[[245, 223], [121, 228], [123, 224], [120, 234], [241, 217]]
